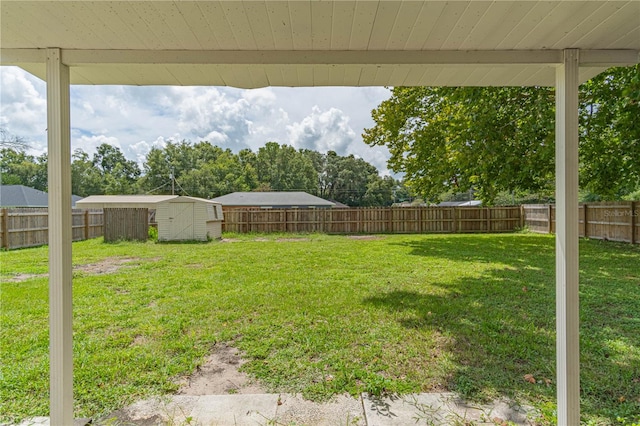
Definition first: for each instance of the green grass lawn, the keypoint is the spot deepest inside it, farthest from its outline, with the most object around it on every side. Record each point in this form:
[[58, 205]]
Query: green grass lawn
[[328, 315]]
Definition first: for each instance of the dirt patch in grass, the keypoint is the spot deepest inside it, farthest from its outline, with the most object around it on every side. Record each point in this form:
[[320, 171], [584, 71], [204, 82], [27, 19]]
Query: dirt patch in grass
[[364, 237], [23, 277], [106, 266], [264, 240], [219, 375]]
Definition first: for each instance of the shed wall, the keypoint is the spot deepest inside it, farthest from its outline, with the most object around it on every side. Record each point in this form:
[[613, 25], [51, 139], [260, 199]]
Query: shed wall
[[200, 220], [214, 229]]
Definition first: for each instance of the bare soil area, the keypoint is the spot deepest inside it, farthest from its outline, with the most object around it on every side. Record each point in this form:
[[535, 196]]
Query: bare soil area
[[364, 237], [219, 375], [106, 266]]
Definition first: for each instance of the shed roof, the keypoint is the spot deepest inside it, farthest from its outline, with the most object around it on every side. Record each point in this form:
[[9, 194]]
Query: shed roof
[[24, 196], [135, 201], [123, 201], [320, 43], [271, 199]]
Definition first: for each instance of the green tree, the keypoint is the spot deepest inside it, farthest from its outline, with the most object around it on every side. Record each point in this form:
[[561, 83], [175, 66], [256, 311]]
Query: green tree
[[163, 164], [284, 168], [85, 178], [215, 176], [502, 139], [20, 168], [610, 133], [350, 180], [201, 170]]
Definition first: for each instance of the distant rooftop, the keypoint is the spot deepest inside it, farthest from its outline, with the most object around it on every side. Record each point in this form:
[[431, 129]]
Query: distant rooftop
[[472, 203], [273, 199], [24, 196]]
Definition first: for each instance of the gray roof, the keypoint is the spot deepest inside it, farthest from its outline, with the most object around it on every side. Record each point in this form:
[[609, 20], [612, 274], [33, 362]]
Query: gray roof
[[272, 199], [134, 201], [24, 196], [472, 203], [123, 201]]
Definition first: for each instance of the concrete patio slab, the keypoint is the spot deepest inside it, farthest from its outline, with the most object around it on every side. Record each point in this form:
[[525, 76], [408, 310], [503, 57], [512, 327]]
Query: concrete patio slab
[[439, 409], [236, 410], [432, 409], [342, 410]]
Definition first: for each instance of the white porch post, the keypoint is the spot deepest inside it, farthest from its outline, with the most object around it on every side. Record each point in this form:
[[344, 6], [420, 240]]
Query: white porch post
[[567, 313], [60, 301]]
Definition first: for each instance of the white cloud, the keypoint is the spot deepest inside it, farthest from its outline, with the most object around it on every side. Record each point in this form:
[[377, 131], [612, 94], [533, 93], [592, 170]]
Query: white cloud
[[23, 106], [90, 143], [323, 131], [137, 118]]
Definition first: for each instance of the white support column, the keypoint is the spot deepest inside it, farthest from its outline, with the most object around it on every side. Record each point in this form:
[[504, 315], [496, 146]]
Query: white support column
[[567, 313], [60, 300]]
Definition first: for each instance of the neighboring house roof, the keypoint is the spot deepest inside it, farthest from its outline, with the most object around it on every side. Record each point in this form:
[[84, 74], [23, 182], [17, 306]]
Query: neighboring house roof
[[272, 199], [24, 196], [472, 203], [339, 205], [134, 201]]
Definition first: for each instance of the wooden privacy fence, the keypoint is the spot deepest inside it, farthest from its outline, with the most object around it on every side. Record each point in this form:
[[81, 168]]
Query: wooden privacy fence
[[126, 224], [29, 227], [397, 220], [614, 221]]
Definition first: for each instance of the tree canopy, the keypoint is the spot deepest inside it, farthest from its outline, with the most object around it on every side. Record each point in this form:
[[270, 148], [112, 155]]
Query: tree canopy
[[205, 170], [494, 139]]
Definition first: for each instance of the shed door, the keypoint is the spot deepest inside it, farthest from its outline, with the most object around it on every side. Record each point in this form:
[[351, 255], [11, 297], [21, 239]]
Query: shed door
[[181, 221]]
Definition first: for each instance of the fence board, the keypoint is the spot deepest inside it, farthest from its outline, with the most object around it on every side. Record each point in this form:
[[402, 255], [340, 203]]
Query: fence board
[[611, 220], [28, 227], [375, 220], [126, 224]]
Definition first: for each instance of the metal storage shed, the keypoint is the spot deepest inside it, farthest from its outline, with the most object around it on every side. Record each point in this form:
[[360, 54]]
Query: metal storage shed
[[178, 218]]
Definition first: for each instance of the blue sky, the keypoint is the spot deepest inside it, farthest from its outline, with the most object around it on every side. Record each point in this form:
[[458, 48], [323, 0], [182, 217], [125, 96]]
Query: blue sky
[[138, 118]]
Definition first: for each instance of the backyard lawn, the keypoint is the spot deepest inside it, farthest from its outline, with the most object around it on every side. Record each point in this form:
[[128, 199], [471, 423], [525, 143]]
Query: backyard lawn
[[324, 315]]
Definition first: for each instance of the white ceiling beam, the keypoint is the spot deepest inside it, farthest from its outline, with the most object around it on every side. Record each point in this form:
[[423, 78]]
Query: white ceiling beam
[[596, 58], [310, 57], [22, 56], [307, 57]]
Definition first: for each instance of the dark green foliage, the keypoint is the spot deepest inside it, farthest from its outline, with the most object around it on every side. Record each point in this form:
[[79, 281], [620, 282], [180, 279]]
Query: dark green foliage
[[19, 168], [502, 138]]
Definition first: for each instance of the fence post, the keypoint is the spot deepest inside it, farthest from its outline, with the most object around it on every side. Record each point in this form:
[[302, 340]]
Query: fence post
[[586, 221], [86, 224], [5, 228], [284, 211], [634, 222], [390, 220], [522, 218], [549, 219], [455, 220], [488, 219]]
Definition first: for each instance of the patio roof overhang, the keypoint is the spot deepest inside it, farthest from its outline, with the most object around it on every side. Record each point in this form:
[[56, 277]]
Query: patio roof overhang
[[318, 43]]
